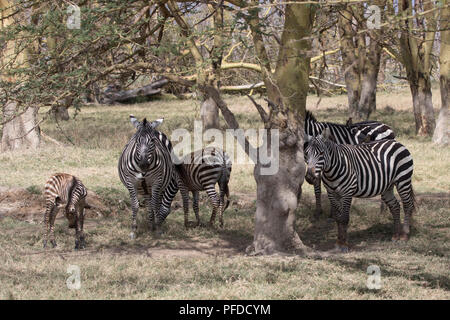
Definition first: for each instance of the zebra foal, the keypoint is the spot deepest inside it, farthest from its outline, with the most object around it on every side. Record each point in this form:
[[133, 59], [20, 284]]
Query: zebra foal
[[350, 133], [363, 171], [145, 168], [65, 190], [200, 171]]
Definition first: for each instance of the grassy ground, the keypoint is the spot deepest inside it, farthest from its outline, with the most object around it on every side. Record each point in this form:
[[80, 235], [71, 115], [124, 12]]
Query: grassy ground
[[207, 264]]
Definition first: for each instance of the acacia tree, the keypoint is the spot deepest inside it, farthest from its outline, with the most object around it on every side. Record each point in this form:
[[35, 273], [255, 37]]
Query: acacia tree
[[411, 41], [361, 53], [441, 133], [19, 118]]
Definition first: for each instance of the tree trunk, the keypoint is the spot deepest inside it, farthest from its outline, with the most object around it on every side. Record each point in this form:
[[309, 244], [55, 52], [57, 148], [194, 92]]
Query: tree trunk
[[423, 106], [367, 101], [352, 83], [20, 132], [276, 204], [441, 133], [277, 194], [210, 114]]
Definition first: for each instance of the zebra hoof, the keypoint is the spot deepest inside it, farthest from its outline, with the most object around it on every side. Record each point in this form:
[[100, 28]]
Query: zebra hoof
[[53, 243], [132, 235]]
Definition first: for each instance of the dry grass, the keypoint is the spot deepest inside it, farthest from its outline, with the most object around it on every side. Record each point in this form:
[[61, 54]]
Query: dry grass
[[210, 264]]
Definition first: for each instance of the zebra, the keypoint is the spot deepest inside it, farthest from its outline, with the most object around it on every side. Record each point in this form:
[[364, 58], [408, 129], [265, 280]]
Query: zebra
[[65, 190], [363, 171], [350, 133], [145, 168], [201, 170]]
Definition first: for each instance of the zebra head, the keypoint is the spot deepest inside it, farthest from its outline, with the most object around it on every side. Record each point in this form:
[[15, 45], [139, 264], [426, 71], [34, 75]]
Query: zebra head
[[145, 138], [316, 155], [71, 215]]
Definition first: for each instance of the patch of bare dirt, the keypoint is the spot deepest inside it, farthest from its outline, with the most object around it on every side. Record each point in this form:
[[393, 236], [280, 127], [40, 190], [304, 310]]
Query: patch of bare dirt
[[23, 204]]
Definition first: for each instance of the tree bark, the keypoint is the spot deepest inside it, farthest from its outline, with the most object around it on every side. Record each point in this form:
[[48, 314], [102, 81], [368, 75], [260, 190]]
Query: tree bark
[[22, 131], [367, 101], [277, 194], [415, 54], [209, 114], [441, 133]]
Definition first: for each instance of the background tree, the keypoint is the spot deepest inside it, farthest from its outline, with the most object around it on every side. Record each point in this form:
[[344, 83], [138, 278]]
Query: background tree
[[441, 133]]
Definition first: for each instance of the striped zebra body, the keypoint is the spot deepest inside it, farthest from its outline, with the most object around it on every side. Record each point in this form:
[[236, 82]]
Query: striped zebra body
[[357, 133], [65, 190], [363, 171], [146, 168], [200, 171]]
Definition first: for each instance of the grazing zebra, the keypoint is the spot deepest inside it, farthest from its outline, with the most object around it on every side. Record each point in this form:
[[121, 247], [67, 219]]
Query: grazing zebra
[[201, 170], [64, 189], [363, 171], [350, 133], [146, 168]]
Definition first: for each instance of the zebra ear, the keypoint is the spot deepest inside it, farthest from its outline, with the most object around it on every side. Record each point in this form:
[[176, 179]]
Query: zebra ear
[[134, 121], [157, 123]]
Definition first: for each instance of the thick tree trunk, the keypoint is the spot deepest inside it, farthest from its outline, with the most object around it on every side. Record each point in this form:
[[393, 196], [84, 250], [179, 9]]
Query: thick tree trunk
[[367, 101], [423, 106], [352, 83], [441, 133], [20, 132], [277, 197], [209, 114], [277, 194]]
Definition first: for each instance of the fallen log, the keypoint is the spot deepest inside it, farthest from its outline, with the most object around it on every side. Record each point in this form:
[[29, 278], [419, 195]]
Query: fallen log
[[113, 95]]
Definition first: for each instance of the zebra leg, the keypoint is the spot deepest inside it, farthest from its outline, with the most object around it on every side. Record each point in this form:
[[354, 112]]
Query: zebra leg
[[389, 199], [318, 194], [195, 195], [221, 205], [185, 197], [341, 210], [134, 210], [167, 199], [154, 208], [79, 233], [150, 212], [52, 217], [212, 194], [50, 207], [407, 196]]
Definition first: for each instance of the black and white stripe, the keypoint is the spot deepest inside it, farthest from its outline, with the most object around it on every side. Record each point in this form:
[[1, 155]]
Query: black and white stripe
[[146, 168], [349, 133], [200, 171], [65, 190], [363, 171]]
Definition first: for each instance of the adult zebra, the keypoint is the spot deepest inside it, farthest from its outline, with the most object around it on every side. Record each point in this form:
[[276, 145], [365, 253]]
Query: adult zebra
[[349, 133], [363, 171], [201, 170], [146, 168]]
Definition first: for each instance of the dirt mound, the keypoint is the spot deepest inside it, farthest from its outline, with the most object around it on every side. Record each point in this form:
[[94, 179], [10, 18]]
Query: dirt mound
[[23, 204]]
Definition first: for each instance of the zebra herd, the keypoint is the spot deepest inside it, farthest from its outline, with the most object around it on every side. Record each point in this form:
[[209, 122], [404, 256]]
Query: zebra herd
[[353, 160], [148, 168], [359, 160]]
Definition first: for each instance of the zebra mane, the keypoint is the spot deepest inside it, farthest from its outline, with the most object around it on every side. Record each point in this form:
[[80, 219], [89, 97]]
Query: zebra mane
[[310, 116]]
